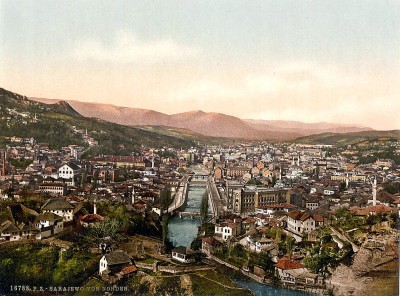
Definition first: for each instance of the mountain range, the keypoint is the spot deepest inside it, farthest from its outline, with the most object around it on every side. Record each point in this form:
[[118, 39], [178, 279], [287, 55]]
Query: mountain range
[[59, 124], [209, 123]]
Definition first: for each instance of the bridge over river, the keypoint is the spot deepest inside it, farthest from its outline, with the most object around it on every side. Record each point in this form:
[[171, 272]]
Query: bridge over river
[[195, 180]]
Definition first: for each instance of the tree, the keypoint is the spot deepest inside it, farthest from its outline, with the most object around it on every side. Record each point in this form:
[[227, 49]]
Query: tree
[[168, 245], [95, 179], [391, 187], [165, 197], [273, 181], [254, 182], [196, 244], [265, 262], [238, 251], [317, 170], [105, 232], [107, 177], [288, 244], [204, 207], [83, 178]]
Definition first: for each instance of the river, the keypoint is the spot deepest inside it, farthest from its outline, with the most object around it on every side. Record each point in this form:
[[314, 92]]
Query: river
[[182, 232]]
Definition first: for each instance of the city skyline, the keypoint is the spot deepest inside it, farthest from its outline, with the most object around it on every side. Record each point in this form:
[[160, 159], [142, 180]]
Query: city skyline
[[274, 60]]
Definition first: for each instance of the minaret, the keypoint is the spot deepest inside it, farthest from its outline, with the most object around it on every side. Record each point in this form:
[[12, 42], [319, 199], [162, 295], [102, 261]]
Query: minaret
[[280, 172], [292, 160], [133, 194], [347, 180], [152, 162], [298, 160], [95, 207], [374, 193]]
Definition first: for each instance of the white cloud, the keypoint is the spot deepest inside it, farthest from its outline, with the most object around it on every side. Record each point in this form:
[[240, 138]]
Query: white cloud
[[128, 49]]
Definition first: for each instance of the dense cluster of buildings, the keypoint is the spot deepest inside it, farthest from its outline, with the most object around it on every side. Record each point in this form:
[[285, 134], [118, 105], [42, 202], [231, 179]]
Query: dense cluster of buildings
[[260, 186]]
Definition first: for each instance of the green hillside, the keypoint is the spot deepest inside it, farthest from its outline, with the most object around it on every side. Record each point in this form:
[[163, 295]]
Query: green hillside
[[349, 138], [59, 125], [181, 133]]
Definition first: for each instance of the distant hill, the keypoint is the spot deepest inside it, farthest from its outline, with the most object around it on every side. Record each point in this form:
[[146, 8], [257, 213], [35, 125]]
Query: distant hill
[[209, 124], [59, 124], [348, 138], [296, 129]]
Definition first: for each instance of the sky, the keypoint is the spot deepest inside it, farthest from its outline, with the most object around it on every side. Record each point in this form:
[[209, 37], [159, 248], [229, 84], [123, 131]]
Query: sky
[[311, 61]]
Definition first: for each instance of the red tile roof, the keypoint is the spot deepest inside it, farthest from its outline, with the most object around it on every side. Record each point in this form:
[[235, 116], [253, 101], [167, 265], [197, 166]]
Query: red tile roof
[[211, 241], [285, 263], [298, 215], [129, 269]]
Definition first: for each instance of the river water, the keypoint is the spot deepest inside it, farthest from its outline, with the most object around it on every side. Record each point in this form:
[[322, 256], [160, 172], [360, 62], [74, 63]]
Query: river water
[[182, 232]]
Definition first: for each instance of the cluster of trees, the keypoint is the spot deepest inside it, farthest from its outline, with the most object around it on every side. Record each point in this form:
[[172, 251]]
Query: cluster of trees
[[326, 254], [38, 265], [392, 187], [385, 152]]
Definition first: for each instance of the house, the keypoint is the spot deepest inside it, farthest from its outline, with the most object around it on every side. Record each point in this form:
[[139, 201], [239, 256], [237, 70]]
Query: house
[[28, 231], [49, 219], [183, 255], [9, 231], [56, 188], [299, 222], [329, 191], [259, 244], [287, 270], [68, 170], [48, 224], [311, 202], [249, 223], [60, 207], [209, 245], [140, 206], [218, 173], [114, 262], [225, 230], [291, 273], [90, 220], [157, 209], [273, 208]]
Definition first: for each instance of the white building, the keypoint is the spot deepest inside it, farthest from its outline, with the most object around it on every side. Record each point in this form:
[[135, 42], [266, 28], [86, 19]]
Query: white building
[[68, 170], [60, 207], [300, 222], [48, 224], [183, 254], [114, 262], [56, 188], [226, 230], [9, 232]]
